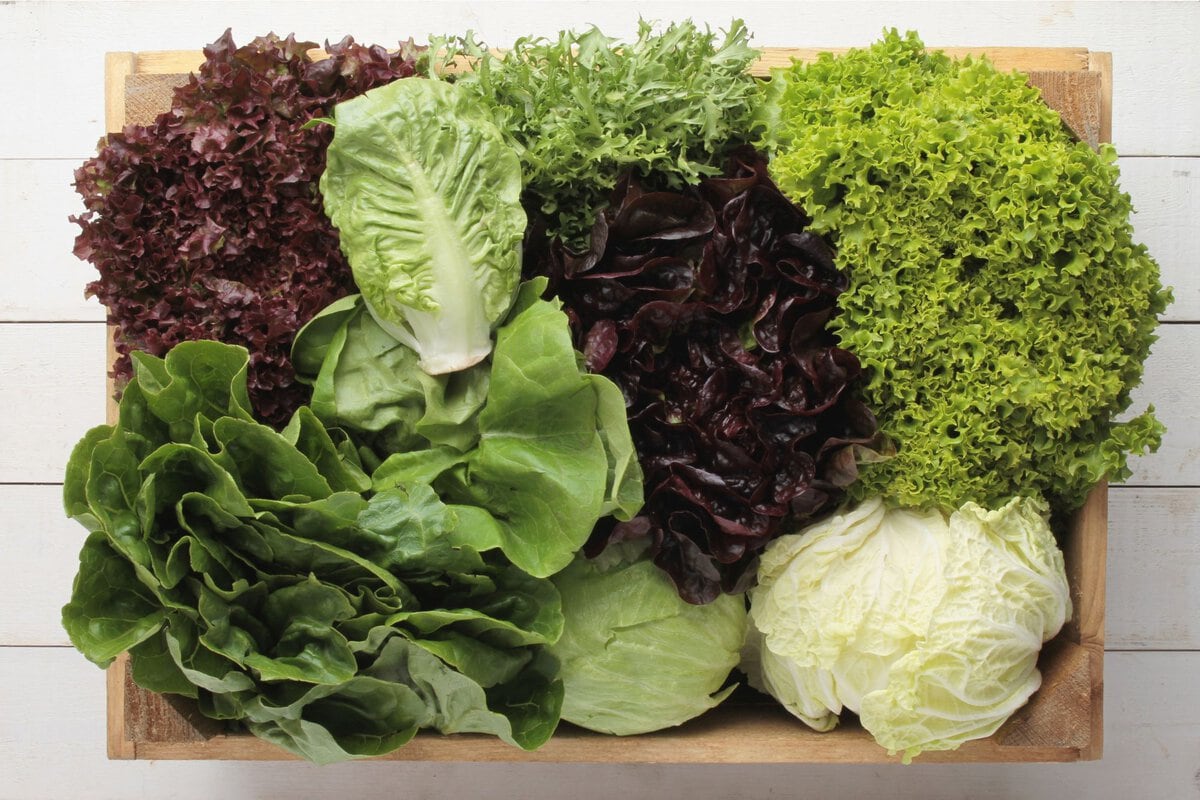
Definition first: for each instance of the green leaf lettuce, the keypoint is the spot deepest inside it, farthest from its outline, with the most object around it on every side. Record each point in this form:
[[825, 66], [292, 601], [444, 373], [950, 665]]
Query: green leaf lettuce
[[249, 569], [535, 444]]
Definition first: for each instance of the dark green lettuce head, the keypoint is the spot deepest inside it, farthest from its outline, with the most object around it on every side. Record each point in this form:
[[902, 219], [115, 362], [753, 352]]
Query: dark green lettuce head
[[248, 569], [997, 300]]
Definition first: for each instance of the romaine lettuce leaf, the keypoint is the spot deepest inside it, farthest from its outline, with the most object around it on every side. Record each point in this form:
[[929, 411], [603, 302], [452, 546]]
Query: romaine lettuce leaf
[[425, 193]]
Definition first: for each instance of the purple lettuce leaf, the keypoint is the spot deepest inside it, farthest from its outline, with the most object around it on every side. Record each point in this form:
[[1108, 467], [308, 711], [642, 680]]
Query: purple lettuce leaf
[[708, 307]]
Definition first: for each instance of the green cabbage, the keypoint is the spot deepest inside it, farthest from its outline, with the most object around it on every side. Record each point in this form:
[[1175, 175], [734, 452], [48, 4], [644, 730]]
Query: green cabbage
[[634, 656], [998, 302], [927, 627], [425, 194]]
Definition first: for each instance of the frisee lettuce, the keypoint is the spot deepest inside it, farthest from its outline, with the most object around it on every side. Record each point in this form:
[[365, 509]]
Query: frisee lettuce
[[584, 107]]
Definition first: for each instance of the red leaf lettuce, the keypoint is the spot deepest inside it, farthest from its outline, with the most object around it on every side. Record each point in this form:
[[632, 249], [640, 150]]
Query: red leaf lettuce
[[208, 223], [708, 307]]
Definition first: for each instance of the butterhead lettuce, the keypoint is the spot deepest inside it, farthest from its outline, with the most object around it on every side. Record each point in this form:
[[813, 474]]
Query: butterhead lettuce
[[634, 656], [927, 626], [535, 445]]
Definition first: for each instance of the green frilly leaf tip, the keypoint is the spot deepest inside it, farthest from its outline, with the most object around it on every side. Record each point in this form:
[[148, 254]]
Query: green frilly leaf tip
[[582, 108], [998, 301], [254, 571]]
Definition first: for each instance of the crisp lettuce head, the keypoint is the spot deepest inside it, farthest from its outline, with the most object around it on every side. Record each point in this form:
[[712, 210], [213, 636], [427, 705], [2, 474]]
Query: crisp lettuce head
[[927, 627], [425, 194], [634, 656]]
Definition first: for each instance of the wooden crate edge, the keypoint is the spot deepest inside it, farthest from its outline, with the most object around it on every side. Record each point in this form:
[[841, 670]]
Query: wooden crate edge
[[120, 65], [1070, 59]]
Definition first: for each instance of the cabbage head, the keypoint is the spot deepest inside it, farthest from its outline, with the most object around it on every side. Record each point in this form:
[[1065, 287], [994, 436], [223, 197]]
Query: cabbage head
[[634, 656], [927, 627]]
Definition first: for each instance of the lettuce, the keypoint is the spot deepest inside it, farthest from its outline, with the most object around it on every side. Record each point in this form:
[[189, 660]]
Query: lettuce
[[207, 223], [927, 626], [708, 307], [535, 447], [635, 656], [998, 302], [250, 570], [425, 193]]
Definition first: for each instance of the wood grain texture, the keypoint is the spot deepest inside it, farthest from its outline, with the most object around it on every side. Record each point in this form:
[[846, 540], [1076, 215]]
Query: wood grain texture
[[165, 62], [1157, 72], [1171, 384], [117, 68], [1166, 218], [41, 277], [1073, 693], [1101, 63], [52, 695], [1075, 95], [35, 533], [1154, 568], [52, 388]]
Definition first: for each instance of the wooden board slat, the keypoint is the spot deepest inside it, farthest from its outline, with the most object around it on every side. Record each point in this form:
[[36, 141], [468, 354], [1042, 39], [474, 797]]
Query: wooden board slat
[[1152, 751], [1073, 95], [1166, 217], [1072, 59], [52, 377], [1062, 723]]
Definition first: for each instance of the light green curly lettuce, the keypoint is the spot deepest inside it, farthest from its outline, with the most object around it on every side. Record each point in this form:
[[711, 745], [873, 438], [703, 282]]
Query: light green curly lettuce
[[998, 302]]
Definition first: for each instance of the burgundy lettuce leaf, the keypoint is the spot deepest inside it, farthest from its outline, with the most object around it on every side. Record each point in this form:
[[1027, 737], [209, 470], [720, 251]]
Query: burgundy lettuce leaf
[[208, 222], [708, 307]]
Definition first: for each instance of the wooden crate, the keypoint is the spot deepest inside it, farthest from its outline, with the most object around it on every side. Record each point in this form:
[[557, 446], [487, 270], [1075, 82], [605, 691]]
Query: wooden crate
[[1062, 722]]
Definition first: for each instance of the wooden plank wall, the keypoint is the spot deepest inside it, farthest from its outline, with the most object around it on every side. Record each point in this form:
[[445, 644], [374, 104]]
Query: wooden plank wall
[[51, 379]]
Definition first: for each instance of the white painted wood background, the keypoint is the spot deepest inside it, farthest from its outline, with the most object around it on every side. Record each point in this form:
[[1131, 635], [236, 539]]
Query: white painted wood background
[[52, 389]]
